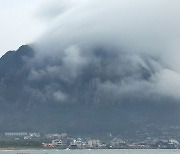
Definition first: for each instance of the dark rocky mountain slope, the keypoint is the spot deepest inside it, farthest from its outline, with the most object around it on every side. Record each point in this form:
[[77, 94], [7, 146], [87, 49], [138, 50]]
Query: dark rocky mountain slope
[[106, 93]]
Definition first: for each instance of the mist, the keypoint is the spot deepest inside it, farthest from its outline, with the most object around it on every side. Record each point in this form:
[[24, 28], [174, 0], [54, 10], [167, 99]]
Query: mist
[[115, 49], [101, 66]]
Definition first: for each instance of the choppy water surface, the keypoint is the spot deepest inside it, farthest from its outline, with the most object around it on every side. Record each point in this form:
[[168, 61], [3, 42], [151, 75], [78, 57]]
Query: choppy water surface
[[90, 152]]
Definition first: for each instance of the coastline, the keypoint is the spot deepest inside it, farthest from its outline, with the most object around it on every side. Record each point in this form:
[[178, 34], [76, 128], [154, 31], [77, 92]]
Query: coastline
[[20, 148], [27, 148]]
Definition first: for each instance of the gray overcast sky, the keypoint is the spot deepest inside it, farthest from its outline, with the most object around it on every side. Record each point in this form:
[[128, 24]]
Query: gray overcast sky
[[67, 27], [24, 21], [18, 23]]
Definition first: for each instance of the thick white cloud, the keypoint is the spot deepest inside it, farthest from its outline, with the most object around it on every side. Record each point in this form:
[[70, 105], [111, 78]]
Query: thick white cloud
[[142, 25], [168, 83], [151, 28], [75, 27]]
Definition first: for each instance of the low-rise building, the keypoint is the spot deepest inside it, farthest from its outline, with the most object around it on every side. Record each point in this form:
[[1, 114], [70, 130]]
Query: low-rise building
[[48, 145], [52, 136], [57, 142], [34, 134], [11, 134]]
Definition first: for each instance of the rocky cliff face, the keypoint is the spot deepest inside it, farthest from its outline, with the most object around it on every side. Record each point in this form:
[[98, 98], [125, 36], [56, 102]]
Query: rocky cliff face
[[102, 93]]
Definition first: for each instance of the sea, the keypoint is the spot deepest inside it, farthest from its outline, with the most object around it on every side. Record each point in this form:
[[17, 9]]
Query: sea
[[90, 151]]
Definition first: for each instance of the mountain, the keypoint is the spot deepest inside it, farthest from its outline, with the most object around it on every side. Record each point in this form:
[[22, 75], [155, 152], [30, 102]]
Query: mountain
[[68, 93]]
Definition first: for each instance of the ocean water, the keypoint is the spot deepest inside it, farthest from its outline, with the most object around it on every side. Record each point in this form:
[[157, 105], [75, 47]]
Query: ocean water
[[90, 151]]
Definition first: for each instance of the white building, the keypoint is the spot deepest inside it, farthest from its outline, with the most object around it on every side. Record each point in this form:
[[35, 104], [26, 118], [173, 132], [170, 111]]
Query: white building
[[94, 143], [57, 142], [56, 135], [10, 134], [34, 134]]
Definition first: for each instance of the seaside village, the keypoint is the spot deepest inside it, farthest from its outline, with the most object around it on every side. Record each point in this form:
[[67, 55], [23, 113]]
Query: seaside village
[[64, 141]]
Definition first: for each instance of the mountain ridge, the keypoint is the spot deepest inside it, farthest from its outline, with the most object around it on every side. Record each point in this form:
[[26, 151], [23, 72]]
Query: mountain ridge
[[44, 99]]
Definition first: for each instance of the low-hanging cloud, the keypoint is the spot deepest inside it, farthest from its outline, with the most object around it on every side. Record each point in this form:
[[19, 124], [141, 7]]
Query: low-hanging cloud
[[110, 49]]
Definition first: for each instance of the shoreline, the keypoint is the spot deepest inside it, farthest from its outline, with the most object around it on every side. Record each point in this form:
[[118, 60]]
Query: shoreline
[[20, 148], [26, 148]]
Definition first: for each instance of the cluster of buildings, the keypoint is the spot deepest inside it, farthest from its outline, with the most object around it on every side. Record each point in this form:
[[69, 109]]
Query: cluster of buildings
[[24, 135], [113, 144], [72, 143], [64, 141]]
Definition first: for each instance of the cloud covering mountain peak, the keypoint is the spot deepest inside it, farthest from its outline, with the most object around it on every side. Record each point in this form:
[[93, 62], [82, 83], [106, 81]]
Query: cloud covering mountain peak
[[107, 64], [120, 30]]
